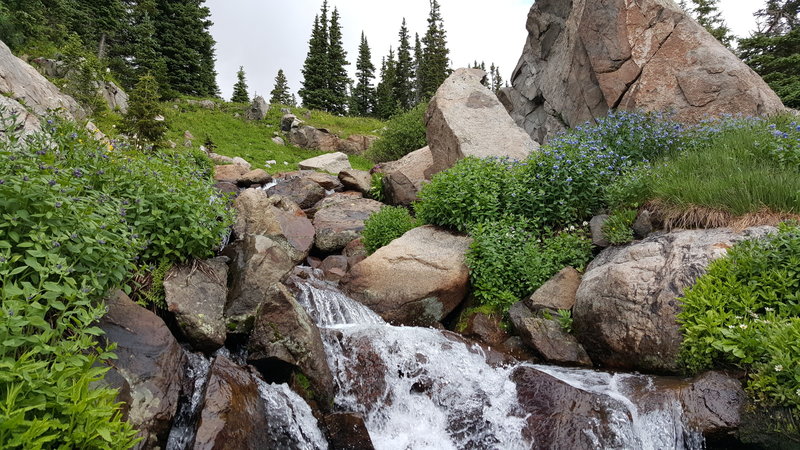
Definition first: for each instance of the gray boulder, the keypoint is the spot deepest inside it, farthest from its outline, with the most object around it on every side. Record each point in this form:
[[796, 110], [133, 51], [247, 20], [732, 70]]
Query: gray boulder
[[627, 303], [115, 97], [289, 121], [557, 293], [308, 137], [329, 162], [339, 219], [196, 294], [585, 57], [403, 178], [357, 180], [258, 109], [465, 118], [306, 193], [547, 338]]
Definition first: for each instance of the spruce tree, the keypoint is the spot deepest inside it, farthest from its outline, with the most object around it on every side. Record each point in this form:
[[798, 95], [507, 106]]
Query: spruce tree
[[144, 121], [280, 93], [773, 51], [240, 88], [417, 61], [497, 81], [314, 91], [363, 98], [434, 67], [707, 14], [139, 55], [338, 80], [403, 87], [386, 104]]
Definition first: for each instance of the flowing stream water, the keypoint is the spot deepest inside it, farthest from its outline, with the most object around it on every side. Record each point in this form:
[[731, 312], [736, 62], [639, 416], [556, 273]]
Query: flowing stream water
[[417, 388]]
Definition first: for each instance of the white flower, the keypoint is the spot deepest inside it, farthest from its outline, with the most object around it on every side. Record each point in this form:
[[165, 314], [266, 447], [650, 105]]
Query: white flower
[[743, 326], [778, 368], [768, 309]]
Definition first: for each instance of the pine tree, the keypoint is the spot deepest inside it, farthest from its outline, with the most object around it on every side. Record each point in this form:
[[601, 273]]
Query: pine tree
[[773, 51], [139, 55], [363, 98], [386, 104], [707, 14], [144, 120], [280, 93], [403, 87], [434, 67], [240, 88], [417, 62], [314, 91], [338, 80], [497, 81]]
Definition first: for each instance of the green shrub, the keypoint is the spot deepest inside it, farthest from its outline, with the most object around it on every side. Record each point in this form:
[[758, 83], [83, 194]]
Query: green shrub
[[144, 121], [745, 312], [376, 187], [617, 229], [404, 133], [386, 225]]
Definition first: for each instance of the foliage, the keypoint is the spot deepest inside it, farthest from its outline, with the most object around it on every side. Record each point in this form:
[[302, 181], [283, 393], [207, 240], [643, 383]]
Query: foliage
[[617, 229], [507, 260], [744, 312], [141, 121], [376, 187], [362, 102], [385, 102], [386, 225], [240, 94], [83, 75], [707, 14], [280, 93], [434, 65], [148, 284], [565, 320], [337, 78], [402, 88], [325, 78], [404, 133]]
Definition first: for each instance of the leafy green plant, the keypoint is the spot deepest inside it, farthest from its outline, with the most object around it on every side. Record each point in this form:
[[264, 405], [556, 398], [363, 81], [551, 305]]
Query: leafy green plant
[[386, 225], [745, 312], [565, 320], [376, 187], [404, 133], [617, 229]]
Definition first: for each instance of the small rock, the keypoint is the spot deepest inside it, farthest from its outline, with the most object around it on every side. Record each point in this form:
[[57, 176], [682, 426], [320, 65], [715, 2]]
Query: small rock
[[188, 135], [279, 141], [643, 225], [330, 162], [596, 226], [358, 180], [557, 293], [242, 162], [256, 176]]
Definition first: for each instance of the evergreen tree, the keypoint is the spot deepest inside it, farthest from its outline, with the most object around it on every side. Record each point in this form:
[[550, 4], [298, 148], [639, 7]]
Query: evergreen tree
[[773, 51], [403, 87], [138, 52], [417, 61], [338, 80], [434, 67], [314, 92], [707, 14], [363, 98], [280, 93], [240, 88], [144, 121], [497, 81], [386, 104], [184, 40]]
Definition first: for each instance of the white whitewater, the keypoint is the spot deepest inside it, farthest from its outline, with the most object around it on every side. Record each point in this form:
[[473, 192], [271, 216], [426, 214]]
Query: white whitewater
[[425, 391]]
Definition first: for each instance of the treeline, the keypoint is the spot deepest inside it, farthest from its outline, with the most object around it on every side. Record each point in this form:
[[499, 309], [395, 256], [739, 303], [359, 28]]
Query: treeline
[[409, 74], [168, 39]]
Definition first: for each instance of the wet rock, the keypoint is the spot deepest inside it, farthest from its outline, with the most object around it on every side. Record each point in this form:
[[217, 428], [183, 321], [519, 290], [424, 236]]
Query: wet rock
[[196, 293], [285, 339], [551, 342], [465, 118], [329, 162], [347, 431], [151, 361], [585, 57], [417, 279], [403, 178], [339, 219], [334, 267], [306, 193], [557, 293], [627, 303], [357, 180], [355, 252], [277, 218], [233, 415]]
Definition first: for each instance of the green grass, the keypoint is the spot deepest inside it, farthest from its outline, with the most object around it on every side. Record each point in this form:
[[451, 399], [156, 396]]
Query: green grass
[[342, 126]]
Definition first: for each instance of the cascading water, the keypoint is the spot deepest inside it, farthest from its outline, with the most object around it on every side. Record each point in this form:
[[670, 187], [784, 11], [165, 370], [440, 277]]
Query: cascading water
[[417, 388], [182, 433]]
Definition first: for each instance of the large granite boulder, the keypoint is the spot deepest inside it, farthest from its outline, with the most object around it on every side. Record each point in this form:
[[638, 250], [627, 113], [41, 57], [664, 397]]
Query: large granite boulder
[[626, 305], [152, 363], [418, 279], [258, 109], [465, 118], [329, 162], [285, 340], [340, 218], [585, 57], [357, 180], [233, 414], [21, 82], [308, 137], [403, 178], [275, 217], [196, 293]]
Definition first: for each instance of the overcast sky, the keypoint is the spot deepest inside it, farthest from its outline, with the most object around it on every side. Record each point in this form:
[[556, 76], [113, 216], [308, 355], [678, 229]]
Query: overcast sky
[[266, 35]]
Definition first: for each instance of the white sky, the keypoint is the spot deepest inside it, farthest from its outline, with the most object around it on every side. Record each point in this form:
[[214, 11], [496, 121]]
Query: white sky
[[267, 35]]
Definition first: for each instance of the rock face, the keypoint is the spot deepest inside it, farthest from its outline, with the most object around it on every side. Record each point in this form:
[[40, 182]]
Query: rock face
[[627, 302], [196, 294], [115, 97], [285, 339], [417, 279], [151, 361], [234, 415], [330, 162], [403, 178], [339, 219], [28, 121], [465, 118], [20, 81], [584, 57]]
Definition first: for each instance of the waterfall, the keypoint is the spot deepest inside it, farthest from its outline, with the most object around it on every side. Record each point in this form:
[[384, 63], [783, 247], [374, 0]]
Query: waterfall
[[420, 388]]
